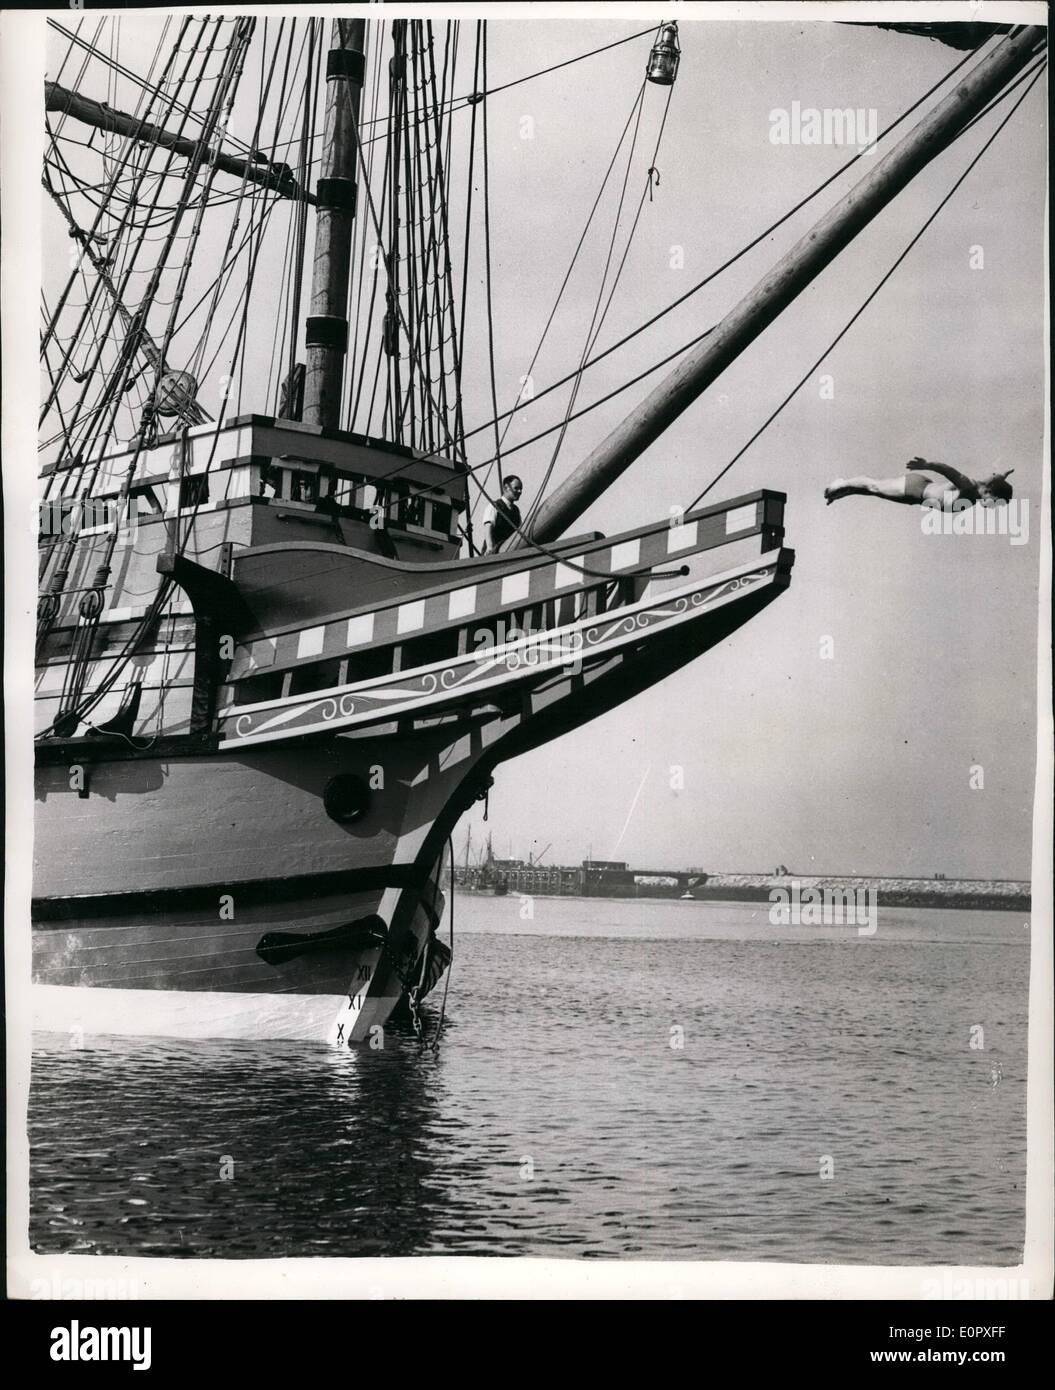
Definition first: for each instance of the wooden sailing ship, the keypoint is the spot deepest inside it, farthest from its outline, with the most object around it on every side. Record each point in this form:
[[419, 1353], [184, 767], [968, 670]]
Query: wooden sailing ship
[[486, 876], [260, 720]]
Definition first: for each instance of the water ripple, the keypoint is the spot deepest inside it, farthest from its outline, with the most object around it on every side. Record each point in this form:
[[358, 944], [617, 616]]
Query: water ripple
[[559, 1119]]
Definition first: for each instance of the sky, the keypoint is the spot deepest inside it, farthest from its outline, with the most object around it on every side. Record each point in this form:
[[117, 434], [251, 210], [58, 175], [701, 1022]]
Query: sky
[[861, 762]]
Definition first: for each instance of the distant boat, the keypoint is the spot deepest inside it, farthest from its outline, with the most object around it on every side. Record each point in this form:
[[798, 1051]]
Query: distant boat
[[486, 877]]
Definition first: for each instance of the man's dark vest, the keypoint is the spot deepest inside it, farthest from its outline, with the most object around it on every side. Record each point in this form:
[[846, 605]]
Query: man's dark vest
[[507, 519]]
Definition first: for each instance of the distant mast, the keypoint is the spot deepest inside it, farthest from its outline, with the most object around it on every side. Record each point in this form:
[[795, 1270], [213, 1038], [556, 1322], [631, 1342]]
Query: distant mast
[[326, 334]]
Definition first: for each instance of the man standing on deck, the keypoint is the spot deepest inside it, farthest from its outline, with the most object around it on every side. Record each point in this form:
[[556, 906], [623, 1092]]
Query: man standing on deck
[[502, 517]]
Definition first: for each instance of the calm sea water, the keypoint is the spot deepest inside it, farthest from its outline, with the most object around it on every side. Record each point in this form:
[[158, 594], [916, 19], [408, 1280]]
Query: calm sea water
[[558, 1119]]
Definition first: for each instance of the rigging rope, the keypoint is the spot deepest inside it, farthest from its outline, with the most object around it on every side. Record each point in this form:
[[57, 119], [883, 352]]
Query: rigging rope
[[112, 396], [592, 337], [684, 347], [459, 422], [470, 98], [392, 280], [295, 284], [567, 276], [358, 345], [93, 51], [72, 707], [92, 602], [593, 332], [725, 265], [487, 272], [471, 470], [115, 386], [864, 305], [93, 230], [442, 177]]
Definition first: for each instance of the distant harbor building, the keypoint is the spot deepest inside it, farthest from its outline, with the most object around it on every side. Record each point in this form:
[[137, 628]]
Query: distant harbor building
[[593, 878]]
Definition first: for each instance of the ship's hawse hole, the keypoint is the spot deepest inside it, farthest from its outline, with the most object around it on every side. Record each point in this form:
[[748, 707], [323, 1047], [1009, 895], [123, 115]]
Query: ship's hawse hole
[[346, 798]]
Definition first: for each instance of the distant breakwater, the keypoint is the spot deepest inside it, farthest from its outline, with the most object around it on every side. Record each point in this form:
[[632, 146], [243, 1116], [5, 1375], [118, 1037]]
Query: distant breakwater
[[1001, 895]]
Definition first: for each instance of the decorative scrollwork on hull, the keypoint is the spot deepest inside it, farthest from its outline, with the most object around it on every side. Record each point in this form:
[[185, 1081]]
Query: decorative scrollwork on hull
[[531, 657]]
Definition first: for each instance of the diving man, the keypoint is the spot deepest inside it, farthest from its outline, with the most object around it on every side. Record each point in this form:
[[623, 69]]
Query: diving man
[[950, 491]]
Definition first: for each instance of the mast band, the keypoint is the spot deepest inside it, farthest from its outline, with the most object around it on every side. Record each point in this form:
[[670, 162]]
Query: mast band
[[337, 194], [345, 62], [326, 331]]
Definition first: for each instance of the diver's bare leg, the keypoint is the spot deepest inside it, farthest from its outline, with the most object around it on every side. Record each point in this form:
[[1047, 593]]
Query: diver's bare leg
[[848, 487], [908, 488]]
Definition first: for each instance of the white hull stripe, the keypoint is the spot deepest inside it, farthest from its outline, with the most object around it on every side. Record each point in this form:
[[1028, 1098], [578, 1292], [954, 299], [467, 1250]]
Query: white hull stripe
[[81, 1012]]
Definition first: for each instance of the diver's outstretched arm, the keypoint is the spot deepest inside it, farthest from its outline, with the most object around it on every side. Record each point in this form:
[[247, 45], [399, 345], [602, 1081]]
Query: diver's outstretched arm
[[967, 486]]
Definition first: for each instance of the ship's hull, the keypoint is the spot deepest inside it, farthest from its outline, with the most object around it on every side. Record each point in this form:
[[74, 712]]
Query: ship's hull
[[221, 877], [210, 886]]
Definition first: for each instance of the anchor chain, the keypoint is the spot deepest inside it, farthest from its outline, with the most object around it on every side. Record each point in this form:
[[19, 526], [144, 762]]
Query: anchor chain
[[413, 993], [415, 1014]]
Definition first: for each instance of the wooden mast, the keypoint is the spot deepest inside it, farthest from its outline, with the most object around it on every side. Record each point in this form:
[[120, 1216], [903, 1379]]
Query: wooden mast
[[327, 325], [255, 169], [757, 310]]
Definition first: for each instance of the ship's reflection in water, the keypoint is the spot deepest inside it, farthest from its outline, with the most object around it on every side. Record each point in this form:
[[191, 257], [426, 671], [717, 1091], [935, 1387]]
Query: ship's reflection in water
[[559, 1119], [236, 1149]]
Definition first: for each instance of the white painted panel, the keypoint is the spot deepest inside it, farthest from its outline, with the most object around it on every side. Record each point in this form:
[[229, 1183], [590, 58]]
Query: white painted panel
[[462, 602], [564, 575], [360, 630], [264, 652], [740, 519], [411, 616], [681, 537], [310, 641], [235, 482], [515, 587], [627, 554]]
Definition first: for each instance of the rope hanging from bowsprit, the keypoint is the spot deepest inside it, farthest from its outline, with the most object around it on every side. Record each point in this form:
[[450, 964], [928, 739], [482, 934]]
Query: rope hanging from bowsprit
[[435, 1044]]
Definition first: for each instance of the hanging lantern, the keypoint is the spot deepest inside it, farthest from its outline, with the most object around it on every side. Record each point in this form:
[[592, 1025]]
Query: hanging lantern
[[664, 58]]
